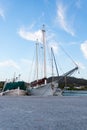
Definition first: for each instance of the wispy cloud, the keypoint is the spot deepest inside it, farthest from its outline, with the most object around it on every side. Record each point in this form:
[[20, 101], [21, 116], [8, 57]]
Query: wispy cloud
[[80, 65], [46, 1], [31, 36], [62, 19], [9, 63], [78, 3], [26, 61], [54, 46], [32, 26], [84, 48], [2, 13]]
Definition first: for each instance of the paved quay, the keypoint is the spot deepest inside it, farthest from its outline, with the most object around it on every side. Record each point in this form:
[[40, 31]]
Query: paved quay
[[43, 113]]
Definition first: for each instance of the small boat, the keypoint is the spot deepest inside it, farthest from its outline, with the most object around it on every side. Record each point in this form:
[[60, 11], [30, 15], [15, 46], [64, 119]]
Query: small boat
[[18, 88]]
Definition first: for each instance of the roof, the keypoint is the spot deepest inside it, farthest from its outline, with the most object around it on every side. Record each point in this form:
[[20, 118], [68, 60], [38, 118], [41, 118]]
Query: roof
[[15, 85]]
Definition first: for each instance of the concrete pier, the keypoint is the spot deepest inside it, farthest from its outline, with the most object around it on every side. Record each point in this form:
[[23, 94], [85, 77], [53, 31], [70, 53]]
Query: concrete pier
[[43, 113]]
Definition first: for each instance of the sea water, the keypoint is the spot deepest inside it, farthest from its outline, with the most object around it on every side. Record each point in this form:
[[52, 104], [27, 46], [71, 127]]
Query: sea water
[[74, 93]]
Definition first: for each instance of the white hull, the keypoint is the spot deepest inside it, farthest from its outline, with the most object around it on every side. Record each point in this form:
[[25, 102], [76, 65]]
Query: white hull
[[14, 92], [45, 90]]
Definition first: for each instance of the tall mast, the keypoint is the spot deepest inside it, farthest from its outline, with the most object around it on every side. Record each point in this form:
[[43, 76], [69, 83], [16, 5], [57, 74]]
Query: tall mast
[[52, 62], [37, 58], [44, 46], [52, 65]]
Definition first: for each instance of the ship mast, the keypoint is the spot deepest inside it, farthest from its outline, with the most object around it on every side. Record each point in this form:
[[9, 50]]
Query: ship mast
[[44, 46], [37, 59]]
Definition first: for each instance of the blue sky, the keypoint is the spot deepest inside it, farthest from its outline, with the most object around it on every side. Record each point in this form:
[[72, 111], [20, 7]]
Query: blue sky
[[20, 25]]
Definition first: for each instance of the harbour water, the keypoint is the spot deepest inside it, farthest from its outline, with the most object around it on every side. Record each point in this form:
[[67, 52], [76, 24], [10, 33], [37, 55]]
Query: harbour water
[[74, 93]]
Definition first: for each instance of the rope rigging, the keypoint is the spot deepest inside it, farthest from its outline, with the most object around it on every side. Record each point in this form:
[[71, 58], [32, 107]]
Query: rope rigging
[[31, 70], [40, 63], [67, 54]]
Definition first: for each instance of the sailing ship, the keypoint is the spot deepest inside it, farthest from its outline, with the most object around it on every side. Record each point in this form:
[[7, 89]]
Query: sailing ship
[[40, 87]]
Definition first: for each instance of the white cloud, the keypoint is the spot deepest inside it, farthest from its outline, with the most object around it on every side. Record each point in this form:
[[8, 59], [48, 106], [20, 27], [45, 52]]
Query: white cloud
[[9, 63], [31, 36], [61, 18], [2, 13], [84, 48]]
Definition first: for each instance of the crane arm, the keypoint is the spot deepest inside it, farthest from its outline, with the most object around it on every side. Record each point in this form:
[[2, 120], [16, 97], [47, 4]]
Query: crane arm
[[67, 73], [71, 71]]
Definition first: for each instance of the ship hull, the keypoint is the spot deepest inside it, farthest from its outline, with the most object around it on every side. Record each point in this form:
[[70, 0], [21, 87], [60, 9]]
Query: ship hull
[[14, 92], [45, 90]]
